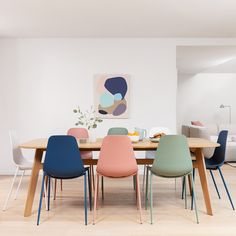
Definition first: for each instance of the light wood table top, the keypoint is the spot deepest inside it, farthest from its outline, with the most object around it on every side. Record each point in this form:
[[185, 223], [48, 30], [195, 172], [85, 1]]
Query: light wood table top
[[139, 146]]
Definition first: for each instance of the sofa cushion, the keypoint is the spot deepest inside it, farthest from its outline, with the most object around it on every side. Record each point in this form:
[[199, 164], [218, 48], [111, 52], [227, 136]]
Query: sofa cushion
[[197, 123]]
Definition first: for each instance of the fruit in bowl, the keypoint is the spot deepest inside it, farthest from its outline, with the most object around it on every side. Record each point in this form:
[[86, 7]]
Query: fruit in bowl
[[134, 137]]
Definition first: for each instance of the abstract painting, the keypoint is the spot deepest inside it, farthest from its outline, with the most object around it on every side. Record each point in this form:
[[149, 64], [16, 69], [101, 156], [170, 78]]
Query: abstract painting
[[111, 95]]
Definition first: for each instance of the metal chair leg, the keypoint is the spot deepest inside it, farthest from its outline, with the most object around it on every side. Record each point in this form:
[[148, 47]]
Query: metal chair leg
[[185, 192], [61, 185], [192, 190], [194, 198], [151, 199], [102, 186], [212, 176], [41, 197], [22, 175], [227, 191], [55, 189], [95, 197], [183, 186], [92, 176], [90, 189], [85, 199], [134, 182], [45, 196], [10, 192], [146, 191], [144, 176], [139, 198], [49, 190]]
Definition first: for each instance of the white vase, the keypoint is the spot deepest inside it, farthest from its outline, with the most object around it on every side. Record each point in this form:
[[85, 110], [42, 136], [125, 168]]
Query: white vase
[[92, 136]]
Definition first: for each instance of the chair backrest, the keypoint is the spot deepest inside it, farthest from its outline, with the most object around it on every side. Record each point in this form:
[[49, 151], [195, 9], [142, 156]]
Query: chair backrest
[[219, 153], [117, 131], [116, 158], [78, 132], [62, 159], [17, 155], [155, 130], [173, 157], [81, 133]]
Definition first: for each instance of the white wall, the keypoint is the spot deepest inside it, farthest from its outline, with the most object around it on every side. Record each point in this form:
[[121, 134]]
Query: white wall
[[199, 98], [42, 80]]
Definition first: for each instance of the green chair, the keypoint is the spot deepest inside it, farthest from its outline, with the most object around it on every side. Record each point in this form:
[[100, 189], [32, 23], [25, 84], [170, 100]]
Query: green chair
[[174, 160], [114, 131], [117, 131]]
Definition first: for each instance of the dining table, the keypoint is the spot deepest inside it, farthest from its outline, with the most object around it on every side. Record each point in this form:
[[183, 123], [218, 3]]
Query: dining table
[[196, 146]]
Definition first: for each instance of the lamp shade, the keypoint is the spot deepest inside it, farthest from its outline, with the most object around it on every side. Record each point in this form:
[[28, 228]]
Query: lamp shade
[[222, 106]]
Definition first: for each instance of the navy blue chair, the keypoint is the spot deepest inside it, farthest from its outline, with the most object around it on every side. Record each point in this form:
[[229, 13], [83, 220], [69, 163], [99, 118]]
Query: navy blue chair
[[63, 161], [216, 161]]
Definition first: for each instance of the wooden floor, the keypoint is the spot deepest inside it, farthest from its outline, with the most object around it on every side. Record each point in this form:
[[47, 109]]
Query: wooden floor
[[117, 214]]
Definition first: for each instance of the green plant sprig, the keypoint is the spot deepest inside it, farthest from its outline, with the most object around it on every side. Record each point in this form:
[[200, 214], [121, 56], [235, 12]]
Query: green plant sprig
[[87, 118]]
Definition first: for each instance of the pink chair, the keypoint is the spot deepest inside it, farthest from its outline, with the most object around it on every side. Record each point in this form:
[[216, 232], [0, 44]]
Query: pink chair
[[117, 160], [80, 133]]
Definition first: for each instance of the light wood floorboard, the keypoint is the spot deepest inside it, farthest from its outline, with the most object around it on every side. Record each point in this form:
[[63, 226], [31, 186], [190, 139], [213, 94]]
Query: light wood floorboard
[[117, 214]]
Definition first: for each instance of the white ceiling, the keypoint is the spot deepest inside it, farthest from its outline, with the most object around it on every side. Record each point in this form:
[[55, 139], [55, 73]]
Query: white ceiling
[[206, 59], [117, 18]]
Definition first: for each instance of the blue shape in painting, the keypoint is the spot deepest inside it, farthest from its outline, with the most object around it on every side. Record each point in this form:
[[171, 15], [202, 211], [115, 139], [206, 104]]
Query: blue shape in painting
[[118, 96], [116, 85], [106, 100]]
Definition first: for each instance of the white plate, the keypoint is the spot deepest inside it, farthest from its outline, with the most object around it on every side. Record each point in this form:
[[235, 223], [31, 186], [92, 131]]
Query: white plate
[[154, 140]]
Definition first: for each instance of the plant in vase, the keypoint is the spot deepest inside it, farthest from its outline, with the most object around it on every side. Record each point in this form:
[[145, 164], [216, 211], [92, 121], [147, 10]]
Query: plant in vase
[[88, 119]]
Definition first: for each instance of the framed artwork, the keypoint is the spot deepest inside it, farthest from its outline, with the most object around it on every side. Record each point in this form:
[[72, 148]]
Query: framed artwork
[[111, 95]]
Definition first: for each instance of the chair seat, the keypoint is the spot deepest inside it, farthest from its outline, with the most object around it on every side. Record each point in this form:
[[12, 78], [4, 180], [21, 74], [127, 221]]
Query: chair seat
[[212, 165], [27, 165], [172, 175], [113, 172], [66, 175]]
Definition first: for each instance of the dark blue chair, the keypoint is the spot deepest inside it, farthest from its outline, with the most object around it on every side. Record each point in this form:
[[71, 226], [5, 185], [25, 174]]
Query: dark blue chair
[[216, 161], [63, 161]]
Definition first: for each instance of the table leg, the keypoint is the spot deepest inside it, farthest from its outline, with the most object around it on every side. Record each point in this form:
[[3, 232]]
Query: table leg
[[33, 182], [200, 164]]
